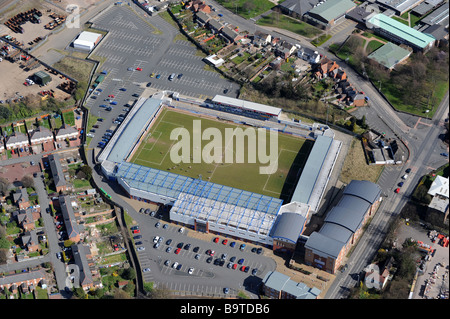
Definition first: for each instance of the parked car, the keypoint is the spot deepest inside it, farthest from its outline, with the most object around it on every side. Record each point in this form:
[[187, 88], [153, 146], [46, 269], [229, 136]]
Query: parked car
[[444, 154], [216, 240], [146, 270], [405, 176], [397, 190], [401, 184], [225, 241]]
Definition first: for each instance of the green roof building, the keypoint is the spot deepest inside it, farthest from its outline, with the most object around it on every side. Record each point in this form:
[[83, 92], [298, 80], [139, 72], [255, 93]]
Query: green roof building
[[326, 13], [389, 55], [399, 32], [42, 78]]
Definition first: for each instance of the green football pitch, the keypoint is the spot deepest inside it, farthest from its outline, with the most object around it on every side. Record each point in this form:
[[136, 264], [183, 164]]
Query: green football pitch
[[154, 151]]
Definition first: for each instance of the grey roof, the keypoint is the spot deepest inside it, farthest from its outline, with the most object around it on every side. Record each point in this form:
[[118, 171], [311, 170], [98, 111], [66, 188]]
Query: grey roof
[[399, 5], [345, 216], [79, 256], [41, 132], [68, 216], [66, 129], [22, 277], [363, 189], [289, 226], [131, 129], [324, 245], [21, 195], [437, 16], [16, 137], [280, 282], [248, 105], [332, 9], [215, 24], [230, 33], [56, 168], [311, 171], [299, 6], [389, 55], [337, 232], [202, 16]]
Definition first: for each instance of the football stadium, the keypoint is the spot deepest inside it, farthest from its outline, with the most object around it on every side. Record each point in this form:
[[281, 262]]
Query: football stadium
[[231, 198]]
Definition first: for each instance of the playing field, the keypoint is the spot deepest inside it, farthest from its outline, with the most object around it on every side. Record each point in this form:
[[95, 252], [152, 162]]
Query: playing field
[[154, 151]]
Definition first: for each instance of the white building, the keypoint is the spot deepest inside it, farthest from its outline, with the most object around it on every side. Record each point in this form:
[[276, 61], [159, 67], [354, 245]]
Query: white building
[[86, 41]]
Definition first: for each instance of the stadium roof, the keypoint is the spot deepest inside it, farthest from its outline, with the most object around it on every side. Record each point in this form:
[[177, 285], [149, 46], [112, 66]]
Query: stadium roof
[[363, 189], [401, 30], [168, 184], [130, 131], [220, 99], [324, 244], [332, 9], [289, 226], [389, 55], [311, 171]]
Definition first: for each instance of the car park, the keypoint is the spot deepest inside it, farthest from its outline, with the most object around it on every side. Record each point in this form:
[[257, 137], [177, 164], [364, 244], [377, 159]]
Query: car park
[[155, 239], [259, 250], [226, 290], [123, 89], [181, 230], [444, 154], [156, 245], [169, 241], [233, 243], [130, 69], [254, 271], [209, 259], [234, 266], [152, 75], [180, 76], [175, 265], [405, 176], [408, 170], [229, 265], [232, 259], [172, 76], [137, 237], [197, 256], [138, 69], [136, 231], [165, 226], [241, 261], [187, 246], [148, 84], [180, 245], [111, 96], [242, 247], [243, 268], [138, 243]]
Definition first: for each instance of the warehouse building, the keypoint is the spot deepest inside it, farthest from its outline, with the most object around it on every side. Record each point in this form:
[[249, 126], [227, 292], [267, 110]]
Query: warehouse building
[[86, 41], [328, 13], [297, 8], [399, 6], [400, 33], [42, 78], [343, 226]]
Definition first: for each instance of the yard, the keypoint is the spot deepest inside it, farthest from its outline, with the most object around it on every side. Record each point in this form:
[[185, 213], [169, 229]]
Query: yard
[[247, 8]]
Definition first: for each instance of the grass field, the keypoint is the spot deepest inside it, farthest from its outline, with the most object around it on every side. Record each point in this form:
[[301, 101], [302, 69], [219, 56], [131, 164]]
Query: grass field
[[154, 151]]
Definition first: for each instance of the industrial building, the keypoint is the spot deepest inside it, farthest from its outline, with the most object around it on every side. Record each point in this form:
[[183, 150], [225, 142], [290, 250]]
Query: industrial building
[[399, 6], [389, 55], [86, 41], [41, 78], [399, 32], [343, 226], [328, 13], [297, 8]]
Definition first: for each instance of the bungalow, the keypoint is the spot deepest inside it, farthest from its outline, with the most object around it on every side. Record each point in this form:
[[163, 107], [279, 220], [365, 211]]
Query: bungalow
[[66, 131], [41, 135], [16, 140], [21, 199]]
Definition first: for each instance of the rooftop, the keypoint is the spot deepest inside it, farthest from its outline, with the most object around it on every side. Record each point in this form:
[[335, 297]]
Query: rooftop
[[331, 9], [220, 99], [389, 55]]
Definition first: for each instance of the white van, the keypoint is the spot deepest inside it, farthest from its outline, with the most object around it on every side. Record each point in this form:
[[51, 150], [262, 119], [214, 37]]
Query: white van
[[172, 76]]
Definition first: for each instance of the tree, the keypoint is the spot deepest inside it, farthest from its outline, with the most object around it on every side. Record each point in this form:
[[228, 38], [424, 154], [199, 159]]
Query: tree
[[27, 181], [4, 185], [87, 170], [128, 274]]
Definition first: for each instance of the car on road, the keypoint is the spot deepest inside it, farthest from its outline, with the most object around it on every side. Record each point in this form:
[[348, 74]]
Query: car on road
[[58, 255], [146, 270], [397, 190], [158, 76], [220, 14], [177, 251]]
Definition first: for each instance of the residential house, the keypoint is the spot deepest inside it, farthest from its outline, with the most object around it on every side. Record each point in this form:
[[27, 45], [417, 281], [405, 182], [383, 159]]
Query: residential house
[[261, 38], [30, 241], [231, 35], [380, 280], [284, 49], [26, 217], [279, 286], [16, 140], [204, 8], [29, 279], [358, 100], [57, 173], [41, 135], [275, 64], [81, 260], [307, 54], [21, 199], [439, 189], [215, 25], [202, 18], [73, 232], [66, 132]]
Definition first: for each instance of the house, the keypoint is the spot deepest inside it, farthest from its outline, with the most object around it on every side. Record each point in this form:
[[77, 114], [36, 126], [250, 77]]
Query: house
[[382, 276], [439, 189], [307, 54], [21, 199], [85, 276], [26, 217], [284, 49], [16, 140], [57, 173], [215, 25], [66, 132], [73, 232], [41, 135], [261, 38], [204, 8], [275, 64], [30, 241], [358, 100], [231, 35], [279, 286], [214, 60], [202, 18], [326, 68], [28, 279]]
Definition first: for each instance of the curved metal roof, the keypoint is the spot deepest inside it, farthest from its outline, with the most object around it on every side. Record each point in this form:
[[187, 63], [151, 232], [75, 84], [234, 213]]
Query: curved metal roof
[[363, 189], [289, 226]]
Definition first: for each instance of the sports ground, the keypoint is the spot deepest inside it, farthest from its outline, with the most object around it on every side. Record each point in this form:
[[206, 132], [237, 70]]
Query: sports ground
[[154, 151]]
